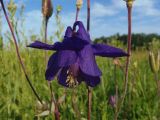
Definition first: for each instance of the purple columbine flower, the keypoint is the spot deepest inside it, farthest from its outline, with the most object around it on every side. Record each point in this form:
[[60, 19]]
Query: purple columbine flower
[[74, 59]]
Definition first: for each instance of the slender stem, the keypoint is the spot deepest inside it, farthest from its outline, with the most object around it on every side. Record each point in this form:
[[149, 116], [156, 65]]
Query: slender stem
[[157, 82], [45, 38], [18, 54], [77, 13], [88, 15], [116, 87], [56, 111], [89, 89], [89, 102], [127, 61]]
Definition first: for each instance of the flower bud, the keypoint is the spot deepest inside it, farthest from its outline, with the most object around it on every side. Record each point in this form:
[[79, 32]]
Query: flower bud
[[59, 8], [112, 101], [12, 8], [79, 4], [129, 2], [154, 62], [47, 8]]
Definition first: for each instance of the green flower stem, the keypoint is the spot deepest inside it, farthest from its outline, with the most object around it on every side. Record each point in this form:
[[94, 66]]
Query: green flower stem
[[18, 54], [116, 87], [158, 84]]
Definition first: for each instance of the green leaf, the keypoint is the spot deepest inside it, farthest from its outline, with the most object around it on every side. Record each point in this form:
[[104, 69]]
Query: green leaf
[[44, 113]]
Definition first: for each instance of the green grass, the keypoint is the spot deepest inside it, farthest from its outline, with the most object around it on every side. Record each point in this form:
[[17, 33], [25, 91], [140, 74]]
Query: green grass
[[19, 103]]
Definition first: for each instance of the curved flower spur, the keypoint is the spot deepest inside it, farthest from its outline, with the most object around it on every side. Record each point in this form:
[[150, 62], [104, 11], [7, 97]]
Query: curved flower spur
[[74, 59]]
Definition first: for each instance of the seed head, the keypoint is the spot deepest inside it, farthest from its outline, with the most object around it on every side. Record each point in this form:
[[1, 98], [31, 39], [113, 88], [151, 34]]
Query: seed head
[[47, 8], [154, 62]]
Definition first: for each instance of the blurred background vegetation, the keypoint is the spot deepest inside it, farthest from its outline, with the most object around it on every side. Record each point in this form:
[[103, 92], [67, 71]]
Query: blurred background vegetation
[[17, 101]]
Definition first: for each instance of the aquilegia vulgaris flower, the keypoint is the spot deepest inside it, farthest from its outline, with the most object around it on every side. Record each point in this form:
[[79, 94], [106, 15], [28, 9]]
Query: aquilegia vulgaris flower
[[74, 59]]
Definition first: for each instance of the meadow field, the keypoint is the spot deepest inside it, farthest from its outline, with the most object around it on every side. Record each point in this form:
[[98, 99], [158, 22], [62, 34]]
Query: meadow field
[[17, 101]]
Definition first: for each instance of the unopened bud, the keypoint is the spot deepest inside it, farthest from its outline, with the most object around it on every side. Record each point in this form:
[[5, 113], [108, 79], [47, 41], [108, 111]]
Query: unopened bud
[[59, 8], [12, 7], [112, 101], [154, 62], [47, 8], [116, 62], [129, 2], [79, 4]]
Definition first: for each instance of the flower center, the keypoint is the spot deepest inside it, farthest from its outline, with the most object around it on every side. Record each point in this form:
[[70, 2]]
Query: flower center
[[72, 74]]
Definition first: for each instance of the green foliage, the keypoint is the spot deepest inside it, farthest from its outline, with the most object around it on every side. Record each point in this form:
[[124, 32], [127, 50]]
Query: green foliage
[[139, 40], [18, 102]]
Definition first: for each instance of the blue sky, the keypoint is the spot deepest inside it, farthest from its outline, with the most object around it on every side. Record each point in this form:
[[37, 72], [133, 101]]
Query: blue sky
[[107, 16]]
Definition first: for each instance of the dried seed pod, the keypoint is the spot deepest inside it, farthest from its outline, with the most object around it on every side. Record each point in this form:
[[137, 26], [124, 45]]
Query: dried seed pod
[[79, 4], [47, 8], [153, 63]]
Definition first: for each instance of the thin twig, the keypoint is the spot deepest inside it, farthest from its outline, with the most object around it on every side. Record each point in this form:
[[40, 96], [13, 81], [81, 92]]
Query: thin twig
[[18, 54]]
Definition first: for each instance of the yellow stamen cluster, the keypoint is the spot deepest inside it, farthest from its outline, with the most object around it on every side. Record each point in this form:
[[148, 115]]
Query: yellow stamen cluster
[[71, 80]]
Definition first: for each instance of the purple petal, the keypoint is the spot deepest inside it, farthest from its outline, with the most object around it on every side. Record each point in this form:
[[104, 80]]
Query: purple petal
[[73, 43], [81, 33], [91, 81], [70, 42], [62, 77], [41, 45], [58, 60], [68, 32], [87, 62], [67, 44], [53, 67], [66, 58], [108, 51]]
